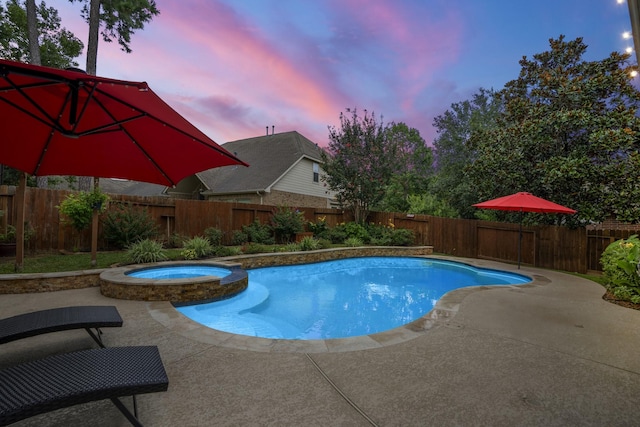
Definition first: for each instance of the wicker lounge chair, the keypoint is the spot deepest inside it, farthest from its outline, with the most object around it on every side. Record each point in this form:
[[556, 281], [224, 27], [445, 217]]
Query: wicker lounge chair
[[68, 379], [60, 319]]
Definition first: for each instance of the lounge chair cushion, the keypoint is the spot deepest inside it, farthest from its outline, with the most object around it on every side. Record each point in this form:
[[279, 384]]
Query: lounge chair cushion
[[69, 379]]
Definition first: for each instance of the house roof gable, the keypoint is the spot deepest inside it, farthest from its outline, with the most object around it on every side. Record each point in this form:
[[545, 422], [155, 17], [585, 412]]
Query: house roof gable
[[269, 158]]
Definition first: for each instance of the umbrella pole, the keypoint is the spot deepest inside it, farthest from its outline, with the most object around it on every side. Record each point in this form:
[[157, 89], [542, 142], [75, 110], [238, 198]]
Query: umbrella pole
[[520, 239], [94, 230], [20, 202]]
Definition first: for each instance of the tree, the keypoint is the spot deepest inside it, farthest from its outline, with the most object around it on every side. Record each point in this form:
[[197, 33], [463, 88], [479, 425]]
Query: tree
[[569, 133], [58, 46], [358, 168], [453, 151], [118, 18], [411, 161]]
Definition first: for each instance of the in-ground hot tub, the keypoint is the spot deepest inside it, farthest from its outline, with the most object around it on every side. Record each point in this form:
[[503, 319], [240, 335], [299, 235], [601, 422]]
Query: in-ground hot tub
[[177, 282]]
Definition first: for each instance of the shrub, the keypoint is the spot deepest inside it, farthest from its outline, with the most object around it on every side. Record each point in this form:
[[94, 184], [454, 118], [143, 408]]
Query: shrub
[[176, 240], [125, 225], [319, 228], [402, 237], [239, 237], [286, 222], [253, 248], [146, 250], [353, 229], [259, 233], [214, 235], [337, 234], [227, 251], [353, 242], [197, 247], [309, 244], [620, 265], [77, 208]]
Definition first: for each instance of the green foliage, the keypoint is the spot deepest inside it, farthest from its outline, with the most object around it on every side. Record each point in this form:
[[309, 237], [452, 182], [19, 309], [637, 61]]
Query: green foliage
[[197, 247], [359, 166], [309, 244], [353, 242], [124, 224], [388, 235], [621, 267], [336, 234], [120, 18], [239, 237], [259, 233], [411, 161], [319, 228], [286, 222], [78, 208], [9, 236], [253, 248], [429, 204], [223, 251], [144, 251], [569, 133], [214, 235], [455, 153], [356, 230], [58, 46]]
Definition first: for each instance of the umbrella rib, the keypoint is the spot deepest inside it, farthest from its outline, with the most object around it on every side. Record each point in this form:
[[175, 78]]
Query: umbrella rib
[[151, 116], [52, 122], [126, 132]]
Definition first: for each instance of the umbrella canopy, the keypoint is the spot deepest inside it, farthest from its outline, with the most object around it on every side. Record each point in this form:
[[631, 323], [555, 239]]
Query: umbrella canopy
[[64, 122], [524, 202]]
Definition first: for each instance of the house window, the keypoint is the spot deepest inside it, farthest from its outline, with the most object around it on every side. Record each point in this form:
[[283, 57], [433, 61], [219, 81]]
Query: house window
[[316, 172]]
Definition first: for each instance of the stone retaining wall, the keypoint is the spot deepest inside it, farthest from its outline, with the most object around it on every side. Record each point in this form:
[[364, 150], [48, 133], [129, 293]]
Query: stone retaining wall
[[48, 282]]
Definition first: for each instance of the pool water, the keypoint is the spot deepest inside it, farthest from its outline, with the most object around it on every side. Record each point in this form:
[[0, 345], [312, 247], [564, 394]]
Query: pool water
[[179, 272], [342, 298]]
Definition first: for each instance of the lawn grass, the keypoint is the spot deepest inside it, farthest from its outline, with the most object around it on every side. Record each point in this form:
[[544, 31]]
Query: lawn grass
[[50, 263]]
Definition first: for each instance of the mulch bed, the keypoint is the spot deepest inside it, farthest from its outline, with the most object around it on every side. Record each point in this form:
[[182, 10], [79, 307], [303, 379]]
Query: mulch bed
[[628, 304]]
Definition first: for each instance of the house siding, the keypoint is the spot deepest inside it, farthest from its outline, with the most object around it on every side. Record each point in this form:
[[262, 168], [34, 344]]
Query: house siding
[[299, 180]]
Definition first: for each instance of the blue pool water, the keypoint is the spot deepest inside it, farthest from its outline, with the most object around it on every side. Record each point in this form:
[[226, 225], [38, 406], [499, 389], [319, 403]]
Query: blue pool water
[[179, 272], [339, 299]]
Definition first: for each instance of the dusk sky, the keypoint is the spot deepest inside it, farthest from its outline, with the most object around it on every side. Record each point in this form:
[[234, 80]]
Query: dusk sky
[[233, 67]]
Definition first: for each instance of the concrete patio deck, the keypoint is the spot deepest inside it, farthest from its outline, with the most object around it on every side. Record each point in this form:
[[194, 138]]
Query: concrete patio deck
[[552, 353]]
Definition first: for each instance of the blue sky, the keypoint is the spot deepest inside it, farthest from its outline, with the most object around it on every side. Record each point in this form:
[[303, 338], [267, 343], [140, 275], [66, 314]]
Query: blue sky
[[233, 67]]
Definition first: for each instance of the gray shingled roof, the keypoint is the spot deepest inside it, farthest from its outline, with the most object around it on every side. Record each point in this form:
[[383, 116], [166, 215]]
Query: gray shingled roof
[[269, 157], [131, 188]]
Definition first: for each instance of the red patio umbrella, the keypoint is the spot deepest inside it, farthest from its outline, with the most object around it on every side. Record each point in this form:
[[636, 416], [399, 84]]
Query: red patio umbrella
[[65, 122], [62, 122], [523, 202]]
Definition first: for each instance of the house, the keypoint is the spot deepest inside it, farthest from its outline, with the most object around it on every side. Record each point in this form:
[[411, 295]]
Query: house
[[284, 170]]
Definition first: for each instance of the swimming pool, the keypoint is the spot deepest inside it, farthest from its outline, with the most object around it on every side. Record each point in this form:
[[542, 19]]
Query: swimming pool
[[179, 272], [342, 298]]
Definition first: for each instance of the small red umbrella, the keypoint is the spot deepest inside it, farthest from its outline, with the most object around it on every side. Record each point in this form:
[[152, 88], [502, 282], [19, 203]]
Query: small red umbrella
[[65, 122], [523, 202]]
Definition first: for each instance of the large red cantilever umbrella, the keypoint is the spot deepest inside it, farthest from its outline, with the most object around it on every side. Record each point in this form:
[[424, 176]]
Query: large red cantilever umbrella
[[523, 202], [65, 122]]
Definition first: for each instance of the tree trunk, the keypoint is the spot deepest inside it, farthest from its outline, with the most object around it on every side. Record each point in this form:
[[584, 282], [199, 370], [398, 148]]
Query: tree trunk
[[94, 29], [32, 28]]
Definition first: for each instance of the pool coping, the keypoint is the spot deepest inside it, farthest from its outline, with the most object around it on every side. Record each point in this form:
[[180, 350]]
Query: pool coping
[[441, 315]]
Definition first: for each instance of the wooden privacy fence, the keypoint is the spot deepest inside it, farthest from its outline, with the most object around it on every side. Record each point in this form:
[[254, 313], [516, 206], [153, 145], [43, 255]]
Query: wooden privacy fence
[[551, 247]]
